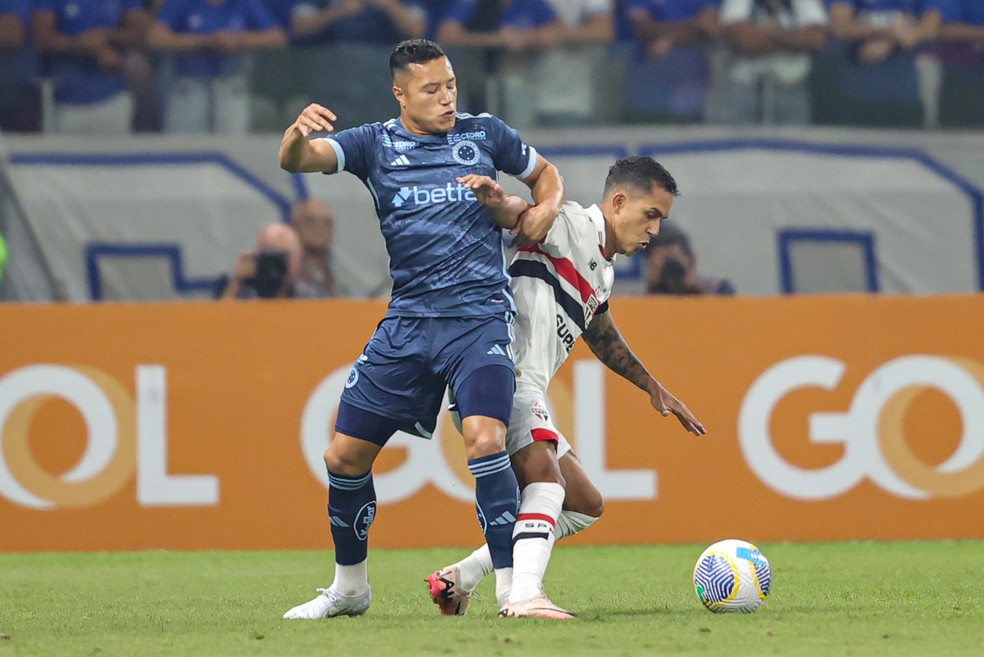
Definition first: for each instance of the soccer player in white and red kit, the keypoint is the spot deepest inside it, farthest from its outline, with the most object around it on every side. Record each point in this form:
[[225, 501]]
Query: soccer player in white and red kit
[[561, 287]]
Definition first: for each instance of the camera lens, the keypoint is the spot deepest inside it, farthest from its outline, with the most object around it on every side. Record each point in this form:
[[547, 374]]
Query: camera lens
[[271, 272]]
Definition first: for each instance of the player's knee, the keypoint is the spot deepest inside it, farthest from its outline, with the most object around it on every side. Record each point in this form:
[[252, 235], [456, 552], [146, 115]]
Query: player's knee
[[484, 443], [596, 506], [483, 436], [589, 502], [341, 463]]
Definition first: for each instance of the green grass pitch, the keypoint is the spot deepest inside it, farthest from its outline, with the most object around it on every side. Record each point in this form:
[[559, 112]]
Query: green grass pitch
[[828, 599]]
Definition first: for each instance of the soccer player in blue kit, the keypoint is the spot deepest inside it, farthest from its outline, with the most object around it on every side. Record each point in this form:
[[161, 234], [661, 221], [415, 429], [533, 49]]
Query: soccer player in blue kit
[[449, 322]]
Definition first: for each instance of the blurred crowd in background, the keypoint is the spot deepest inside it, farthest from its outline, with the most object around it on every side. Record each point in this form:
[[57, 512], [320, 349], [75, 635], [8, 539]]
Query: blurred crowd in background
[[240, 66]]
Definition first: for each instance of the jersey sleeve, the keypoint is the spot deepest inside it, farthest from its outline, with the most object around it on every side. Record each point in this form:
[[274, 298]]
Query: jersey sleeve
[[512, 155], [354, 148], [565, 231]]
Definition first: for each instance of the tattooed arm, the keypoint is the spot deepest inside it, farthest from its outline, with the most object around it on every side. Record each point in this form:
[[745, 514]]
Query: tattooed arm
[[608, 345]]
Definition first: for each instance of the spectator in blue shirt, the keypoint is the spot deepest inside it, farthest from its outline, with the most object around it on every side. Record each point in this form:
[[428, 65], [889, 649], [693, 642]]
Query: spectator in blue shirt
[[876, 58], [570, 87], [380, 22], [669, 75], [436, 11], [19, 97], [510, 25], [763, 75], [500, 36], [962, 52], [347, 44], [85, 42], [208, 39]]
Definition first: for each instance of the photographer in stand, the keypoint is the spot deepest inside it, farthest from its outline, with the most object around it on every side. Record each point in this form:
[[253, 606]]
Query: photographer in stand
[[268, 272], [671, 266]]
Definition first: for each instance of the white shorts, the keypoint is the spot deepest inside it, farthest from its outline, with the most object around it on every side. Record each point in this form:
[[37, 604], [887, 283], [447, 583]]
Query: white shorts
[[531, 422]]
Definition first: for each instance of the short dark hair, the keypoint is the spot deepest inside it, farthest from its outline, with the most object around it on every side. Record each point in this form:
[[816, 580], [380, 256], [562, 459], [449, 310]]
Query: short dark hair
[[413, 51], [640, 171]]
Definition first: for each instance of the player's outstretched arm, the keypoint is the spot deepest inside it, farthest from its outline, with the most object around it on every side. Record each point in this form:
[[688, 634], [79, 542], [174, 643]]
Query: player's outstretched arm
[[505, 209], [548, 190], [606, 342], [298, 154]]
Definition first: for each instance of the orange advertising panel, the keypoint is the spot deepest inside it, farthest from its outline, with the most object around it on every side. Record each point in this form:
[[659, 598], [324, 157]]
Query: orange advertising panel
[[201, 426]]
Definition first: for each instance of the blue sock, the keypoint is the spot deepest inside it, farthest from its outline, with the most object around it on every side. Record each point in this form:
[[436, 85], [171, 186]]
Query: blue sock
[[351, 510], [497, 500]]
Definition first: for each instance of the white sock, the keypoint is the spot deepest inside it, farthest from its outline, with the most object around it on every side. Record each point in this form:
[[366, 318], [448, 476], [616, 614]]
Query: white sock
[[503, 585], [572, 522], [474, 568], [533, 538], [351, 580], [478, 565]]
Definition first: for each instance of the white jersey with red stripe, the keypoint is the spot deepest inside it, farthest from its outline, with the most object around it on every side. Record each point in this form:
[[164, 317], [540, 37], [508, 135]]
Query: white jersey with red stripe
[[559, 285]]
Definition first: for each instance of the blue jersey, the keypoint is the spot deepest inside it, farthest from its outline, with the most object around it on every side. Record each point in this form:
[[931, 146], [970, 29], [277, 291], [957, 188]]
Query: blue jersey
[[79, 79], [446, 256], [883, 11], [208, 17], [527, 15], [18, 68], [969, 12], [21, 8], [670, 11]]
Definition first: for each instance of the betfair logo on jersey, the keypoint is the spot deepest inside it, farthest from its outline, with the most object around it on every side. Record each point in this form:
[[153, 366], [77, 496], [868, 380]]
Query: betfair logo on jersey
[[424, 195]]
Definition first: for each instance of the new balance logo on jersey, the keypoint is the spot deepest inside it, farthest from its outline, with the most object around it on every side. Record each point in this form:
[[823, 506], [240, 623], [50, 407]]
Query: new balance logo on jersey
[[449, 193], [496, 350], [505, 519], [402, 161]]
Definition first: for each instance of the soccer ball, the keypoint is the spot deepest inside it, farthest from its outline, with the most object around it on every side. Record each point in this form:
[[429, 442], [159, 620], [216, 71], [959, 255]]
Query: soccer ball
[[732, 575]]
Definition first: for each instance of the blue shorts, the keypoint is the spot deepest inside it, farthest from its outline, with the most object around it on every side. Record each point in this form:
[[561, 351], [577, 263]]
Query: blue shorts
[[410, 361]]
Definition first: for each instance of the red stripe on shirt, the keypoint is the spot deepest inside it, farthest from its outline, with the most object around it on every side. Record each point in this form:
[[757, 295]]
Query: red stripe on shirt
[[565, 269], [536, 516], [543, 434]]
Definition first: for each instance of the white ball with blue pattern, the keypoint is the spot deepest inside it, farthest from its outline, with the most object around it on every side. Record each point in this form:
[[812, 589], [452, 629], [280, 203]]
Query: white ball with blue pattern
[[732, 575]]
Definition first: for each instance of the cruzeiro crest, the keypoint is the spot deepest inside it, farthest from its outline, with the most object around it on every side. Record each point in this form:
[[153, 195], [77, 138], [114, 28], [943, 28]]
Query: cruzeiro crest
[[466, 152]]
